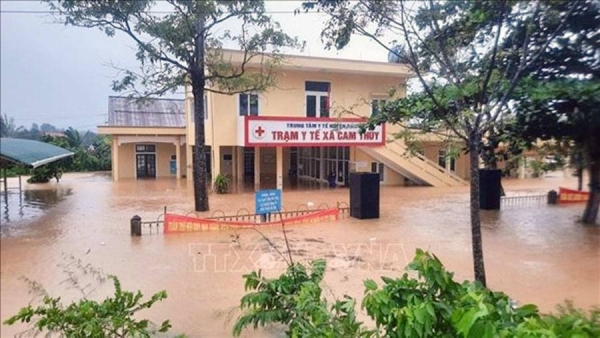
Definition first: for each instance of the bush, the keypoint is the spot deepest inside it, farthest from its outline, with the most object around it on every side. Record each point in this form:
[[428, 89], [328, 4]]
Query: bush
[[221, 184], [294, 299], [17, 170], [45, 173], [113, 317], [431, 304], [568, 322]]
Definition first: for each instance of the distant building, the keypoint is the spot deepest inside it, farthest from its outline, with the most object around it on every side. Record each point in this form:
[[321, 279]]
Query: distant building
[[53, 133], [293, 132]]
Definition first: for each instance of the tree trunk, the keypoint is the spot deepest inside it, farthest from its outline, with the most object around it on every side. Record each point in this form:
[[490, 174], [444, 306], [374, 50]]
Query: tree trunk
[[198, 83], [578, 161], [590, 215], [476, 240]]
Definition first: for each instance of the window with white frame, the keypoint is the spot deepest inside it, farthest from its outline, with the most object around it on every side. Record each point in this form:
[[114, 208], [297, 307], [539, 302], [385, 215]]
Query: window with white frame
[[443, 160], [378, 167], [248, 104], [317, 98], [376, 105], [145, 148]]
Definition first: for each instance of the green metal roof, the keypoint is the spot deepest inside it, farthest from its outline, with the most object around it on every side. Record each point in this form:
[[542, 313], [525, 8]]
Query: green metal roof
[[30, 153]]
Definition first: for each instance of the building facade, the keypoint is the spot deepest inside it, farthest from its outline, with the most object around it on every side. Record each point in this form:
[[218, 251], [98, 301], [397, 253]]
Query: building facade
[[148, 137], [303, 130]]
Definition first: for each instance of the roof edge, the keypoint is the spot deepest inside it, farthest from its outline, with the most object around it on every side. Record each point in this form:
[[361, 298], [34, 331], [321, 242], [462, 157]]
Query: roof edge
[[148, 98], [144, 127], [50, 159]]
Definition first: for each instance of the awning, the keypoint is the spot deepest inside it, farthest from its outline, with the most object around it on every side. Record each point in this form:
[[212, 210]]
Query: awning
[[30, 153]]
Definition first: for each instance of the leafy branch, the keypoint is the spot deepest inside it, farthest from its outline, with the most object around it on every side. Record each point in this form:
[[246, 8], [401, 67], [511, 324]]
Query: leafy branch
[[114, 316]]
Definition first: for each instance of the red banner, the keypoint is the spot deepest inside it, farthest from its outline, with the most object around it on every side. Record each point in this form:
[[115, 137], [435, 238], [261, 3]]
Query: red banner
[[572, 196], [177, 223]]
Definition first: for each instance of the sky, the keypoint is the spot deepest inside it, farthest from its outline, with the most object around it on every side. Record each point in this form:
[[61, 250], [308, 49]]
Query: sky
[[51, 73]]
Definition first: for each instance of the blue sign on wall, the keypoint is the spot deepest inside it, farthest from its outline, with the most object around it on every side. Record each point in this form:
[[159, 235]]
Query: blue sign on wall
[[172, 167], [268, 201]]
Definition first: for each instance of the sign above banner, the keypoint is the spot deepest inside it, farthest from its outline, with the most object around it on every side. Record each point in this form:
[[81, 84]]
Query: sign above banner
[[267, 131], [268, 201]]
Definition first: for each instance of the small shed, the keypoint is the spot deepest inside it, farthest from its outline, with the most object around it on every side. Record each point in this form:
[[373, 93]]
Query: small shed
[[28, 153]]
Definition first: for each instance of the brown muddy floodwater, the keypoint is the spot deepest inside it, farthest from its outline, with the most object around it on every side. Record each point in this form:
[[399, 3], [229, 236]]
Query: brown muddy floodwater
[[535, 253]]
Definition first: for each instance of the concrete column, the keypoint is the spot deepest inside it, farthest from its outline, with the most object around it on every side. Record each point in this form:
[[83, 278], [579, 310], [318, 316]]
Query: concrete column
[[216, 162], [234, 161], [279, 166], [115, 158], [178, 157], [189, 162], [5, 181], [257, 168], [240, 163], [322, 172]]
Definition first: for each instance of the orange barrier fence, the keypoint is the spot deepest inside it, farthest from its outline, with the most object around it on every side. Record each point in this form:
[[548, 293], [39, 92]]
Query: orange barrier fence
[[572, 196], [178, 223]]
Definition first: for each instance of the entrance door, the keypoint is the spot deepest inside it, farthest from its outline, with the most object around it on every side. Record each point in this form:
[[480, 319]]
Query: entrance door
[[146, 165], [248, 165]]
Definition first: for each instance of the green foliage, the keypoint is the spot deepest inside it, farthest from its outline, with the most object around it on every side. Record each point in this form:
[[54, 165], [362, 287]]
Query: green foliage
[[560, 110], [565, 110], [537, 167], [92, 151], [424, 302], [474, 60], [295, 300], [45, 173], [113, 317], [221, 184], [169, 48], [17, 170], [468, 57], [94, 157], [433, 304], [567, 322], [8, 128], [184, 46], [7, 125], [73, 138]]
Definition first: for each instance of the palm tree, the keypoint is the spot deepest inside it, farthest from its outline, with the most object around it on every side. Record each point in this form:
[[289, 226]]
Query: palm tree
[[7, 126], [73, 138]]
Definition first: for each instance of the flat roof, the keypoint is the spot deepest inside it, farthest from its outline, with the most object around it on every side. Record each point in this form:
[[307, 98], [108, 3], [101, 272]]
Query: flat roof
[[325, 64]]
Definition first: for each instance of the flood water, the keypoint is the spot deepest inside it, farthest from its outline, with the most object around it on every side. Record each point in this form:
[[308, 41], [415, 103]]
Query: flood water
[[535, 253]]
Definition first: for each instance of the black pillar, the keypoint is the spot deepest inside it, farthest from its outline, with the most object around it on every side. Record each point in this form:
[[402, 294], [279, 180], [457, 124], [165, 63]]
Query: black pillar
[[136, 225], [490, 189], [552, 197], [364, 195]]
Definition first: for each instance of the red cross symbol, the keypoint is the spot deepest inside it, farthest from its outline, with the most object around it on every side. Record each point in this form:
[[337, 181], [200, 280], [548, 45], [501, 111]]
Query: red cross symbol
[[259, 132]]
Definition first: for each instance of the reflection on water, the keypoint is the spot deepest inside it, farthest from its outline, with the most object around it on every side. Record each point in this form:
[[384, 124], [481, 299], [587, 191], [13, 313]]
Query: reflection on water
[[536, 254], [17, 208]]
